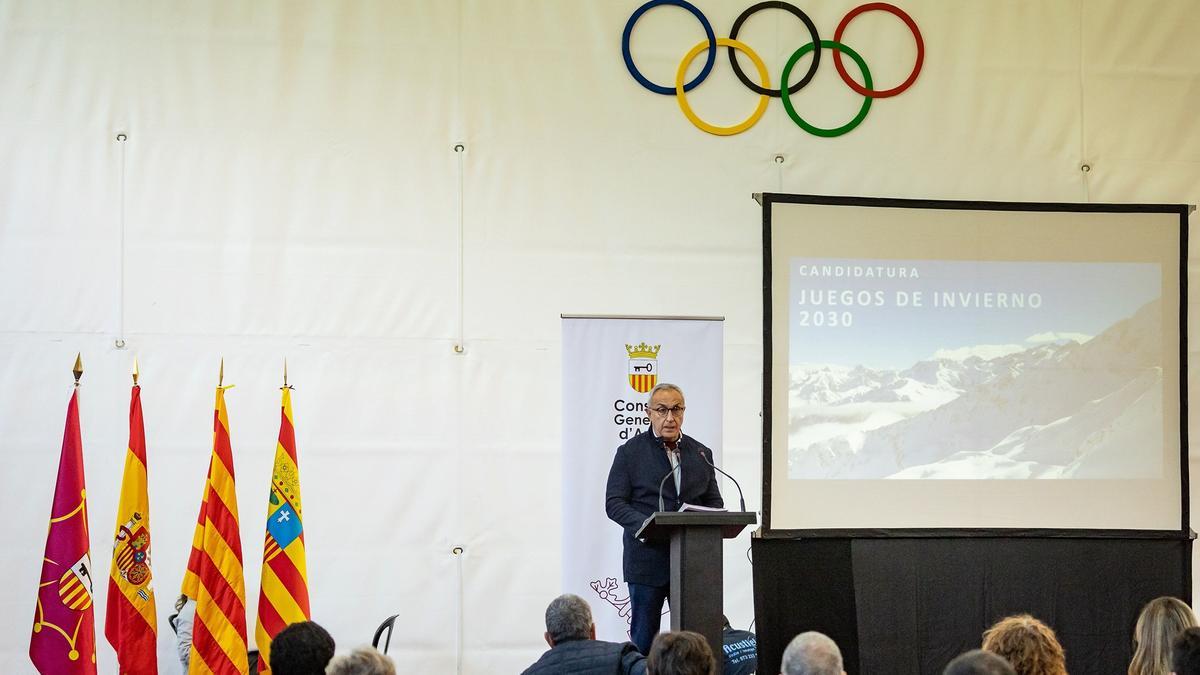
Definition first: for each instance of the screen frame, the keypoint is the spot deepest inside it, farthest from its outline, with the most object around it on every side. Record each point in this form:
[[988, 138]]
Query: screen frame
[[769, 199]]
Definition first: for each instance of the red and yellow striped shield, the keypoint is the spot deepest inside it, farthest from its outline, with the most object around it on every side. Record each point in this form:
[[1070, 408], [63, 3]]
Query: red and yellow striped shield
[[74, 592], [643, 374]]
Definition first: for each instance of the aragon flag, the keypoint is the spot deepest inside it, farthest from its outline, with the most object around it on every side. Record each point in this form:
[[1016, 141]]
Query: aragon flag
[[214, 571], [64, 634], [130, 624], [283, 596]]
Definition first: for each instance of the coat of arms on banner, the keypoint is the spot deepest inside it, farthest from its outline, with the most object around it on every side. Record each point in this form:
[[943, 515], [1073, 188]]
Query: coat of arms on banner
[[643, 366], [75, 585], [607, 591], [132, 545]]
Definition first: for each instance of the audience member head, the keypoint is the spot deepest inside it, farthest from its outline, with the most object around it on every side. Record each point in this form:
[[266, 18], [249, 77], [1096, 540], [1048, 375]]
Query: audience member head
[[978, 662], [1160, 621], [812, 653], [302, 648], [680, 653], [568, 617], [1185, 652], [362, 661], [1028, 645]]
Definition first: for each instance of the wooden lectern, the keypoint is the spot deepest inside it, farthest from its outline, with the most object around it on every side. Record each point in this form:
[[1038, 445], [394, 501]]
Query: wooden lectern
[[697, 567]]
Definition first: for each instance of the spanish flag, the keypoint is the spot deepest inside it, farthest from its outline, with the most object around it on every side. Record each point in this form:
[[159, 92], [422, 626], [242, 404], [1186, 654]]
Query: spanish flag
[[284, 591], [130, 625], [64, 635], [214, 572]]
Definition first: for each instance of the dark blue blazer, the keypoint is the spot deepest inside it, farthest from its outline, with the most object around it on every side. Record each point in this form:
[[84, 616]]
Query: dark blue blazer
[[632, 495]]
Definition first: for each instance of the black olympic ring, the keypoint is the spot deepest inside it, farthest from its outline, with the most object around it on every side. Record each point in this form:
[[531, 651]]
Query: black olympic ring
[[812, 30]]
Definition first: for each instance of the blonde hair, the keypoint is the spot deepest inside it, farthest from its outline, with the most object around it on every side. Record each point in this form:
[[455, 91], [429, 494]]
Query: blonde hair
[[1161, 621], [1028, 644]]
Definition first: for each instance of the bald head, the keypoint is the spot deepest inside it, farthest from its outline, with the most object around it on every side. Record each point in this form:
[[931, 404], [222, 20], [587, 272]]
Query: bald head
[[978, 662], [812, 653]]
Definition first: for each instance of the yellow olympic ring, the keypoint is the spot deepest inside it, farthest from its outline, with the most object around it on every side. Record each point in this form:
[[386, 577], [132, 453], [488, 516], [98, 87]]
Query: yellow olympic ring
[[687, 109]]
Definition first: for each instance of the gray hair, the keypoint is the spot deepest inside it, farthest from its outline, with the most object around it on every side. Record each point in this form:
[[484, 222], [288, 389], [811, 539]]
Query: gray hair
[[978, 662], [664, 386], [568, 618], [812, 653], [362, 661]]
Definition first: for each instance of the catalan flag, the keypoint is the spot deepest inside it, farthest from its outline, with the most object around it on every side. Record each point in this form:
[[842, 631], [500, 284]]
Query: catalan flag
[[214, 572], [130, 624], [64, 633], [283, 598]]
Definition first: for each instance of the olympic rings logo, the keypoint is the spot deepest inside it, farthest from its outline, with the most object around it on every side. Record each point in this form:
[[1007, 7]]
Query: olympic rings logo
[[765, 90]]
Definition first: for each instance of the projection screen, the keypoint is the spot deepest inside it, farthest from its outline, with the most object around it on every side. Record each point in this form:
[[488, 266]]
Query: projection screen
[[967, 365]]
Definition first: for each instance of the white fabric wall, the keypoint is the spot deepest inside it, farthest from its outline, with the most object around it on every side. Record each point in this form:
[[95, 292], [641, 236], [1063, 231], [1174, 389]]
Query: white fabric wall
[[290, 189]]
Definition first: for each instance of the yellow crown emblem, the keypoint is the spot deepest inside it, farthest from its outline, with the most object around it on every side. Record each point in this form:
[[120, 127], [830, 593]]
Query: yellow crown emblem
[[642, 351]]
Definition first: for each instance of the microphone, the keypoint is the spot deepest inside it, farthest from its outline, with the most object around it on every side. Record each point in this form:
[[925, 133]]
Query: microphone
[[741, 497], [662, 483]]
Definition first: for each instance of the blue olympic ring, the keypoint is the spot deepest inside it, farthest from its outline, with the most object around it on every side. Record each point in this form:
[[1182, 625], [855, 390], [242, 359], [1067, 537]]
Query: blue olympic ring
[[708, 31]]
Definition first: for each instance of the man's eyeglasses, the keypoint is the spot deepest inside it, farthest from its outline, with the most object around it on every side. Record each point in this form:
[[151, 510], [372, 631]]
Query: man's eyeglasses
[[664, 411]]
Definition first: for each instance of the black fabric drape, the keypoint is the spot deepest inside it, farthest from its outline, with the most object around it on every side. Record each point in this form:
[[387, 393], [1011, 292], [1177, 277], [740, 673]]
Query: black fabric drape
[[907, 606]]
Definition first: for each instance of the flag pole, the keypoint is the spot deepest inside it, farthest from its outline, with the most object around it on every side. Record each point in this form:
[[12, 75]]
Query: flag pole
[[78, 369], [135, 371], [285, 382], [221, 374]]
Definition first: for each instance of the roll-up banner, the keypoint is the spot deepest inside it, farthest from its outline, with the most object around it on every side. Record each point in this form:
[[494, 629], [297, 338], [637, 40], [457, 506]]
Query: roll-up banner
[[610, 364]]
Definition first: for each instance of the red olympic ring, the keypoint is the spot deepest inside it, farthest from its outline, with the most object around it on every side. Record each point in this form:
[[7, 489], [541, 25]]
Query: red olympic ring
[[912, 25]]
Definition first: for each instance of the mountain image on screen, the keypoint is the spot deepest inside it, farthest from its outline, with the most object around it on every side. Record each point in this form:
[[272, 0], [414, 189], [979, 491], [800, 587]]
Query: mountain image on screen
[[1065, 409]]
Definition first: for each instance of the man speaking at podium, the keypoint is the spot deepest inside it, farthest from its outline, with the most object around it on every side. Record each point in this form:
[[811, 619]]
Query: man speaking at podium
[[661, 455]]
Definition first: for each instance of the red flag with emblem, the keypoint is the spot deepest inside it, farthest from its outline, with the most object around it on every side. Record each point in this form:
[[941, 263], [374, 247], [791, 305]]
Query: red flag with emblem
[[64, 633], [130, 624]]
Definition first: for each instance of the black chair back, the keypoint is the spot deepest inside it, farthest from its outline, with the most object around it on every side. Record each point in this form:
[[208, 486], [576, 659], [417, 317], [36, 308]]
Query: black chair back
[[388, 624]]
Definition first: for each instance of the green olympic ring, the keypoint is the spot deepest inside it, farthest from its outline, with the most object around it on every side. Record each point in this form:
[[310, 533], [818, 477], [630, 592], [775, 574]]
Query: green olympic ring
[[787, 99]]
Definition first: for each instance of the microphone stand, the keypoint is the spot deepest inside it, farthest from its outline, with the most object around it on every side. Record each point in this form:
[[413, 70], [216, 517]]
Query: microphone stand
[[741, 496]]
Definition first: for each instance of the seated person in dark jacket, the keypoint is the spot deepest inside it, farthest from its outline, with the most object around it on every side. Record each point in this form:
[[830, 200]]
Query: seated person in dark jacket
[[574, 648], [741, 650]]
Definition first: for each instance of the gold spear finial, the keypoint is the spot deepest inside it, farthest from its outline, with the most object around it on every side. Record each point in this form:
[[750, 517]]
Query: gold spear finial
[[78, 369], [221, 374], [285, 384], [135, 371]]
